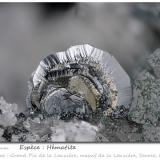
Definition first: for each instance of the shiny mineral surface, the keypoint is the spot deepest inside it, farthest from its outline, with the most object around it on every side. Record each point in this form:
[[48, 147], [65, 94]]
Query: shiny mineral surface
[[140, 124], [78, 82]]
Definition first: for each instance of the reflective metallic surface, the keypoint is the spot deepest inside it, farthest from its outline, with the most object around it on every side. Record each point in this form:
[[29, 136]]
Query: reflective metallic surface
[[80, 80]]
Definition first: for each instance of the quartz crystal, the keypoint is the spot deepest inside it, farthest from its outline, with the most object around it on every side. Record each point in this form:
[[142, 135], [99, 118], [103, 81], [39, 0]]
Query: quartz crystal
[[7, 113]]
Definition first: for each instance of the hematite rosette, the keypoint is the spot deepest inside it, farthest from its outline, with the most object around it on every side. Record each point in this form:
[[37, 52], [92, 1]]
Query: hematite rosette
[[78, 82]]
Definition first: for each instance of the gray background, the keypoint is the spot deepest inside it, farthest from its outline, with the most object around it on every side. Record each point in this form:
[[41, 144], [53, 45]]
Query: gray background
[[29, 32]]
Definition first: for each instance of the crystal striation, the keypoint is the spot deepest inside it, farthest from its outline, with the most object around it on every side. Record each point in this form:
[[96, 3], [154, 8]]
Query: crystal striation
[[78, 82]]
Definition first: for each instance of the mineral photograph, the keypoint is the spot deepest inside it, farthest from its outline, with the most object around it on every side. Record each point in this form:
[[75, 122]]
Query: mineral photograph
[[80, 72]]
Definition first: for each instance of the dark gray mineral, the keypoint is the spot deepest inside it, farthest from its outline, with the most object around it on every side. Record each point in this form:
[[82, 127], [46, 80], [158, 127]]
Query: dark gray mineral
[[140, 122]]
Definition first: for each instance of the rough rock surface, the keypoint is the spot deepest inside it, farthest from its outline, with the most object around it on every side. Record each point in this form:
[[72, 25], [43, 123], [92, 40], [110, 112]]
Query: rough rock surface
[[142, 124], [154, 63], [145, 107], [146, 96]]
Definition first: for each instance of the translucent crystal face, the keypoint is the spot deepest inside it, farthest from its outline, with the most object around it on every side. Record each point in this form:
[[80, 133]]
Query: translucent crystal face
[[79, 81]]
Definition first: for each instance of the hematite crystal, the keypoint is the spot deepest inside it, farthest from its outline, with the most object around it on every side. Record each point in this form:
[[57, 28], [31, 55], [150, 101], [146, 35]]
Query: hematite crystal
[[78, 82]]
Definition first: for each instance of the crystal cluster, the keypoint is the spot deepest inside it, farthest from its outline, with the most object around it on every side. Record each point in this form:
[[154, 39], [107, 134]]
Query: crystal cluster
[[140, 123], [78, 82], [7, 113], [36, 129]]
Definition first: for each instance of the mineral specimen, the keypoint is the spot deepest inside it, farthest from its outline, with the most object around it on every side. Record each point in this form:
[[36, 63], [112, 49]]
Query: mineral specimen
[[78, 131], [140, 124], [146, 93], [78, 82], [54, 130], [7, 113]]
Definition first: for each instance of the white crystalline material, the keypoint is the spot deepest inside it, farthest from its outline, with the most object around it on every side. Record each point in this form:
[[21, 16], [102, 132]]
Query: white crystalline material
[[7, 115], [74, 131], [30, 138], [60, 131], [118, 80], [37, 127], [15, 138]]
